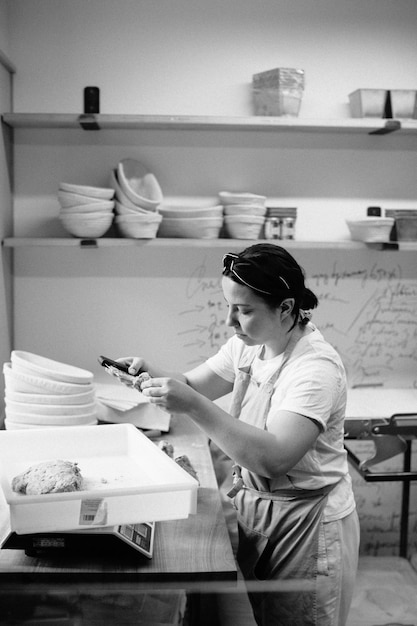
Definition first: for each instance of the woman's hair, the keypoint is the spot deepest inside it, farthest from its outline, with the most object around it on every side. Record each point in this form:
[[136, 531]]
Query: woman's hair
[[273, 274]]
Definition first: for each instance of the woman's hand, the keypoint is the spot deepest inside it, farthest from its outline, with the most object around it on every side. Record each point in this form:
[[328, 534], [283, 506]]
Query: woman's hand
[[136, 364], [172, 395]]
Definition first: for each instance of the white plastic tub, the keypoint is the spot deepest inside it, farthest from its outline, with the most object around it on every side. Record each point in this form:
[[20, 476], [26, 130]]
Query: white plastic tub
[[127, 479], [371, 229]]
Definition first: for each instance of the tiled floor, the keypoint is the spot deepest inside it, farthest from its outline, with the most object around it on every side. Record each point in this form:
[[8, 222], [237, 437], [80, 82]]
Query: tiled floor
[[385, 595]]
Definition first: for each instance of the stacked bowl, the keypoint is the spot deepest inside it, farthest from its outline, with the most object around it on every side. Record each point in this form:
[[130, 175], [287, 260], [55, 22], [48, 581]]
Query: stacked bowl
[[41, 393], [138, 196], [191, 218], [85, 211], [244, 214]]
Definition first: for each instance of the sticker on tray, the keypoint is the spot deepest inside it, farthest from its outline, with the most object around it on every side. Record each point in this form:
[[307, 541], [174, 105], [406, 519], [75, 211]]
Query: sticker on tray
[[93, 512]]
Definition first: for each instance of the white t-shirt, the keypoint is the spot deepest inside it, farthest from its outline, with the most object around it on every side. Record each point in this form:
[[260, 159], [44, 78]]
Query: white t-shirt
[[312, 383]]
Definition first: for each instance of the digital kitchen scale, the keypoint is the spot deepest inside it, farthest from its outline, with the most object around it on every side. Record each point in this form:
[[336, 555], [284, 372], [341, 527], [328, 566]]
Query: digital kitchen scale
[[111, 539]]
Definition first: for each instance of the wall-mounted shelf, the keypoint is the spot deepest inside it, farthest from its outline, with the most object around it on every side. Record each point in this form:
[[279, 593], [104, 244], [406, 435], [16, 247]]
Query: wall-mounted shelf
[[206, 122], [106, 242]]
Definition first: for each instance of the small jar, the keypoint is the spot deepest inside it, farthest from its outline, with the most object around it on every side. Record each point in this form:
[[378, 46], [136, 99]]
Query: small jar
[[273, 227], [288, 228]]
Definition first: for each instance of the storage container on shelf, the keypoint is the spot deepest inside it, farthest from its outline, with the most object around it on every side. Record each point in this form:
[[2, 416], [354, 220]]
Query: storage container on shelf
[[278, 92]]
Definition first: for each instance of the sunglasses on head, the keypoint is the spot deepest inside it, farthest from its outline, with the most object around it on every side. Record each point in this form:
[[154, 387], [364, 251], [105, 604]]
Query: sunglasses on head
[[244, 268]]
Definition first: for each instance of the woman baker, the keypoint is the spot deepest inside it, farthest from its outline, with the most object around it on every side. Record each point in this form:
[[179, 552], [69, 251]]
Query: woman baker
[[292, 491]]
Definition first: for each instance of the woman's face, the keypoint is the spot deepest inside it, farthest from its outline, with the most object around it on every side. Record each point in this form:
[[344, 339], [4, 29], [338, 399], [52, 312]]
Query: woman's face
[[253, 321]]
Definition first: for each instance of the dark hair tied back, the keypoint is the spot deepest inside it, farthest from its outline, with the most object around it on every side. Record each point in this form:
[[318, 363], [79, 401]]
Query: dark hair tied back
[[279, 268]]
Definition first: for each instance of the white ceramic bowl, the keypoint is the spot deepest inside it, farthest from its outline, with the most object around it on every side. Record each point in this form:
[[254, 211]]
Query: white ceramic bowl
[[188, 212], [90, 209], [49, 368], [371, 229], [245, 209], [120, 196], [139, 226], [68, 199], [86, 217], [95, 192], [141, 187], [122, 209], [86, 397], [193, 227], [141, 218], [79, 227], [29, 383], [229, 197], [244, 226]]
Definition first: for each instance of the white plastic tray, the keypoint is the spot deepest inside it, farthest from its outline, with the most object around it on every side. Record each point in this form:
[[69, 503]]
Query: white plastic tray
[[127, 479]]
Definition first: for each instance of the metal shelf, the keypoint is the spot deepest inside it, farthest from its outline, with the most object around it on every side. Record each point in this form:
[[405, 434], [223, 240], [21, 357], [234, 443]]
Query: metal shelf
[[206, 122], [105, 242]]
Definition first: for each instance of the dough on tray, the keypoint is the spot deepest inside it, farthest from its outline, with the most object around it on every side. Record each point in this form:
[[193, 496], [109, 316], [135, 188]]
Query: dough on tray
[[48, 477]]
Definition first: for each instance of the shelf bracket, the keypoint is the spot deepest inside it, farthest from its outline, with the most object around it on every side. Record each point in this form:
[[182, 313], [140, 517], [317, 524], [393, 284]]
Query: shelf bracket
[[88, 122], [390, 127], [88, 243]]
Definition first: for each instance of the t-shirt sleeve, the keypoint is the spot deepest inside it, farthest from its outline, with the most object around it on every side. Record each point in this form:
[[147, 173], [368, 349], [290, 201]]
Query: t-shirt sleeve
[[316, 389]]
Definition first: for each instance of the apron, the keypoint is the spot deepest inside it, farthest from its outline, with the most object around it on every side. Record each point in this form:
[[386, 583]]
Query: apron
[[280, 527]]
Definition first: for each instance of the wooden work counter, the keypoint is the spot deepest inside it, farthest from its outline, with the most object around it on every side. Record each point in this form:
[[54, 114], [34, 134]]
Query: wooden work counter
[[193, 554]]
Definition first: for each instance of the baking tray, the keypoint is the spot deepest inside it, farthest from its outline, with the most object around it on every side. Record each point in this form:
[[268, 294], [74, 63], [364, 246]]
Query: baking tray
[[127, 479]]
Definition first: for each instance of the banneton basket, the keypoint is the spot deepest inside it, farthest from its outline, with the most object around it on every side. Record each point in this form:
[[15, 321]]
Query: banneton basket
[[31, 383], [44, 367], [371, 229], [127, 479]]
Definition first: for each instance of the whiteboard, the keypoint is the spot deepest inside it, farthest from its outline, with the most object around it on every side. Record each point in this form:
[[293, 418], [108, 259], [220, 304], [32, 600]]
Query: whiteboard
[[166, 304]]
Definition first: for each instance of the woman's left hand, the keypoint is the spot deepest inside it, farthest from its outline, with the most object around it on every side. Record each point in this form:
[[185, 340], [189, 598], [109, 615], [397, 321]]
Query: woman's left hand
[[170, 394]]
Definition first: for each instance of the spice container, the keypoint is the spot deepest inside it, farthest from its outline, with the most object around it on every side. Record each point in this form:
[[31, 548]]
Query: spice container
[[273, 228], [280, 222], [288, 228]]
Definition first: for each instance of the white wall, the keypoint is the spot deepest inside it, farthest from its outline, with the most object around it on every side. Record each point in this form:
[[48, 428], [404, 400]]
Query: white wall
[[198, 56], [4, 26]]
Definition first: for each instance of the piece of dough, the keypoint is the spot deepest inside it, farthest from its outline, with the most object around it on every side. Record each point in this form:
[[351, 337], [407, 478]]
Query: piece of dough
[[48, 477]]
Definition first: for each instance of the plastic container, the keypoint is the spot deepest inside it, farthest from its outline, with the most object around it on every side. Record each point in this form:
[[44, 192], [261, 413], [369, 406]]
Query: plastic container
[[406, 227], [371, 229], [368, 102], [403, 103], [127, 479], [278, 92]]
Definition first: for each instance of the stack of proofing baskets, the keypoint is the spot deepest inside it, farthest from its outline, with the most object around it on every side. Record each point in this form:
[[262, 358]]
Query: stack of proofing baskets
[[42, 393], [278, 92]]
